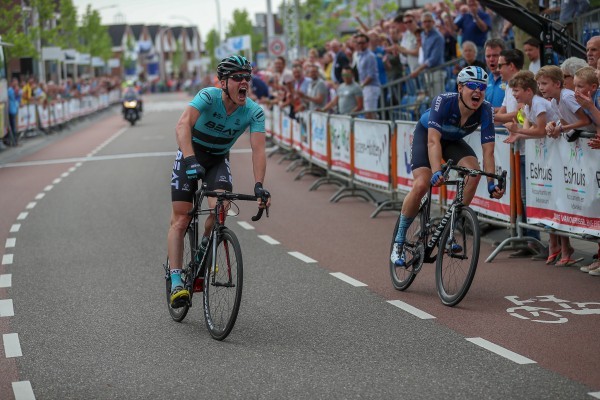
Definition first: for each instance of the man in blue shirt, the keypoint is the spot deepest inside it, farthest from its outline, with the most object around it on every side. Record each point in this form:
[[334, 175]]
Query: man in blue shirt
[[368, 75], [495, 86], [474, 26], [433, 55], [14, 99]]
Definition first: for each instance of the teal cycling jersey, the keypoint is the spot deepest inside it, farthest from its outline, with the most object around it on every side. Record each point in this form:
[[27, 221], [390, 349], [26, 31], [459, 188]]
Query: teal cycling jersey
[[215, 132]]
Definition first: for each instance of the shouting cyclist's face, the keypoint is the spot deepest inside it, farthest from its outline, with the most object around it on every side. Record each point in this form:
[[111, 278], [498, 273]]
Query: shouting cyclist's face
[[238, 85], [473, 94]]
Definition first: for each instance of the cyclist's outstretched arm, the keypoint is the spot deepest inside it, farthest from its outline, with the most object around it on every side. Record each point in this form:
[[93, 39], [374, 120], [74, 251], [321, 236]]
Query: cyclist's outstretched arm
[[183, 130], [259, 159], [489, 166]]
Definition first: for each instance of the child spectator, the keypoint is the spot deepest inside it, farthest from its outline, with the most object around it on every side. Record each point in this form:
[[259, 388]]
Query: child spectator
[[570, 116]]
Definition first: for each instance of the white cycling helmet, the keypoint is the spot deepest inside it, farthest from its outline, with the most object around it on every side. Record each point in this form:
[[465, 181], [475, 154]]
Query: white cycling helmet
[[472, 74]]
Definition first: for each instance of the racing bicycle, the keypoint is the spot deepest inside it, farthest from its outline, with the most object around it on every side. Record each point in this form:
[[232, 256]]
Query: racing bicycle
[[217, 271], [456, 236]]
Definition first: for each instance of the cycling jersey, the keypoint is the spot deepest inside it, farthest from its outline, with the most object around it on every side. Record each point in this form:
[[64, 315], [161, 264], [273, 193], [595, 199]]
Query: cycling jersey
[[444, 116], [215, 132]]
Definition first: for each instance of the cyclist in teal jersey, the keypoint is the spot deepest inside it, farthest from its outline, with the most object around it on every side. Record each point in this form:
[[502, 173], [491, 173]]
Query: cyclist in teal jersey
[[205, 133]]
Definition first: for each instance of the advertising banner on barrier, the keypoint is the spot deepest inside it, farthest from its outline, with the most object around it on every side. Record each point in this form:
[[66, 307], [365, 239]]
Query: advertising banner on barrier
[[318, 140], [32, 122], [268, 122], [296, 137], [22, 118], [286, 130], [339, 134], [304, 118], [482, 203], [372, 152], [44, 113], [277, 123], [563, 185], [404, 138]]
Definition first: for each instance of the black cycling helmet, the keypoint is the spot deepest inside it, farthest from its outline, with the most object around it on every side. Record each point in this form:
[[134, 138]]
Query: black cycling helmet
[[232, 64]]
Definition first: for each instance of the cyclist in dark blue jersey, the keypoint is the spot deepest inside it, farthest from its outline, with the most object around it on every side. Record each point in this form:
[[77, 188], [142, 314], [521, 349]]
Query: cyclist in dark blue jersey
[[206, 130], [439, 136]]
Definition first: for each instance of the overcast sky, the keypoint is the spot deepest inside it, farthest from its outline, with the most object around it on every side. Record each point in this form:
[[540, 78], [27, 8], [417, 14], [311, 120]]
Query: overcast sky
[[202, 13]]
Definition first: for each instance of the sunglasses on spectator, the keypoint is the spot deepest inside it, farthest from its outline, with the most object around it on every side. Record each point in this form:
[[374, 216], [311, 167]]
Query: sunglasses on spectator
[[476, 85], [241, 77]]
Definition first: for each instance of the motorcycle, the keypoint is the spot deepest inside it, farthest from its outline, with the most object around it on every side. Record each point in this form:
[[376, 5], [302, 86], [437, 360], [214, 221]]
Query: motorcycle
[[131, 111]]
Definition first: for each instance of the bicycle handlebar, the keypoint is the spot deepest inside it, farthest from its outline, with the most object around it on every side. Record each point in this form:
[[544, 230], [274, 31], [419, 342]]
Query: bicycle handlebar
[[232, 197], [474, 172]]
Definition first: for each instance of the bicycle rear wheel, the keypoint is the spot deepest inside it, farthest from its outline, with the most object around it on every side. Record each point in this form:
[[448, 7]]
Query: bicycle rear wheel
[[188, 267], [223, 281], [456, 266], [402, 278]]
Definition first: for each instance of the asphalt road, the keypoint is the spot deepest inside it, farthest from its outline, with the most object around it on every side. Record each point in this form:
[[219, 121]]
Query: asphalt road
[[90, 320]]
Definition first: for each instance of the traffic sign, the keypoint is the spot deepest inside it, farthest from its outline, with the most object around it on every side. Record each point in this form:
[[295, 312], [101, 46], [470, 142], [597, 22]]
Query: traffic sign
[[276, 46]]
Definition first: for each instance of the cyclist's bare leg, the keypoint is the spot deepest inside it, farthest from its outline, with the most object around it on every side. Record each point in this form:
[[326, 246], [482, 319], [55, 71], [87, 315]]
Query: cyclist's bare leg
[[179, 222], [210, 220], [472, 182], [421, 183]]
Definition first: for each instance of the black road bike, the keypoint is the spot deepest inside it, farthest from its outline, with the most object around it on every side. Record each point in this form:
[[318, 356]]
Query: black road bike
[[456, 235], [217, 271]]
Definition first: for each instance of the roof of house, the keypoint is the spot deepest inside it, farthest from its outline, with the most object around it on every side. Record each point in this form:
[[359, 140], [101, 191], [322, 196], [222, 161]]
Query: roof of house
[[116, 33]]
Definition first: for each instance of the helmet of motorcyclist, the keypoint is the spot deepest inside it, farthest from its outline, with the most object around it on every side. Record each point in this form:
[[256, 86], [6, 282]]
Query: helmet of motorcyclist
[[232, 64], [472, 74]]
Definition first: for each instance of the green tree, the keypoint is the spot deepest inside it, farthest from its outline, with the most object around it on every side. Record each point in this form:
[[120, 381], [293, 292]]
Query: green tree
[[95, 39], [212, 42], [177, 61], [242, 25], [15, 28], [68, 30]]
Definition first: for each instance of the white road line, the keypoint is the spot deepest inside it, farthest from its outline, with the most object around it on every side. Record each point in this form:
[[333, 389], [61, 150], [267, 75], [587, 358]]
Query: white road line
[[31, 205], [231, 213], [6, 308], [595, 395], [5, 280], [348, 279], [268, 239], [72, 169], [23, 390], [23, 215], [501, 351], [7, 259], [301, 257], [40, 196], [79, 164], [15, 228], [245, 225], [48, 188], [64, 174], [57, 180], [10, 242], [12, 347], [410, 309]]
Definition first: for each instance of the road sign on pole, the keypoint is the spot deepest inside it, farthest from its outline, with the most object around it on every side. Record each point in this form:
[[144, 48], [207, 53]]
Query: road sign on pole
[[276, 46]]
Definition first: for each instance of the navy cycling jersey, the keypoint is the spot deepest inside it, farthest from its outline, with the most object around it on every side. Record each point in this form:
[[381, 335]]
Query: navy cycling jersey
[[215, 132], [444, 117]]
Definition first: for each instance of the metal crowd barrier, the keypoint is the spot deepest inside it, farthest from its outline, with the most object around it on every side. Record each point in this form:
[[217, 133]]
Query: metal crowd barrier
[[361, 156]]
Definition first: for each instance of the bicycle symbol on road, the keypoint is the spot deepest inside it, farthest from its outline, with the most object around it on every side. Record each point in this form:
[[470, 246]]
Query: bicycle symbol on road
[[554, 314]]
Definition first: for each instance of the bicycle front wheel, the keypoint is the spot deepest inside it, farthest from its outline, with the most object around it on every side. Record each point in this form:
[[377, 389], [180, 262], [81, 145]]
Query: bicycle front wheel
[[223, 281], [457, 257], [402, 277]]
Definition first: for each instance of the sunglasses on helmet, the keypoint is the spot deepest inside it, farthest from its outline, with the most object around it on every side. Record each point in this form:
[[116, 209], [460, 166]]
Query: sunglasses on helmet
[[241, 77], [476, 85]]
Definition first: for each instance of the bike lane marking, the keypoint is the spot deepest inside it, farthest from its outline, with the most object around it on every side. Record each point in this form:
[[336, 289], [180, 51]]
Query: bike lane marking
[[411, 309], [595, 394], [245, 225], [501, 351], [23, 390], [12, 346], [6, 308], [347, 279], [268, 239], [7, 259], [15, 228], [10, 242], [5, 280], [301, 257]]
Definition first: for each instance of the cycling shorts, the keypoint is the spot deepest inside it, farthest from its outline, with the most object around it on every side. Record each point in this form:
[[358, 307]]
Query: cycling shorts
[[218, 176], [451, 149]]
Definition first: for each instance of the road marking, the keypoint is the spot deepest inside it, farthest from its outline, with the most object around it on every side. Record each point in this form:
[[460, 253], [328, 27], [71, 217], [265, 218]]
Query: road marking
[[5, 280], [12, 347], [23, 215], [595, 394], [40, 196], [23, 390], [31, 205], [64, 174], [410, 309], [7, 259], [6, 308], [348, 279], [72, 169], [245, 225], [80, 160], [501, 351], [79, 164], [57, 180], [232, 213], [15, 228], [268, 239], [301, 257], [10, 242], [48, 188]]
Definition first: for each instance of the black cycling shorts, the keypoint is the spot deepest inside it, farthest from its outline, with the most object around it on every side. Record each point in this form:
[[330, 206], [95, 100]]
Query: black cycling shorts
[[218, 176], [454, 150]]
